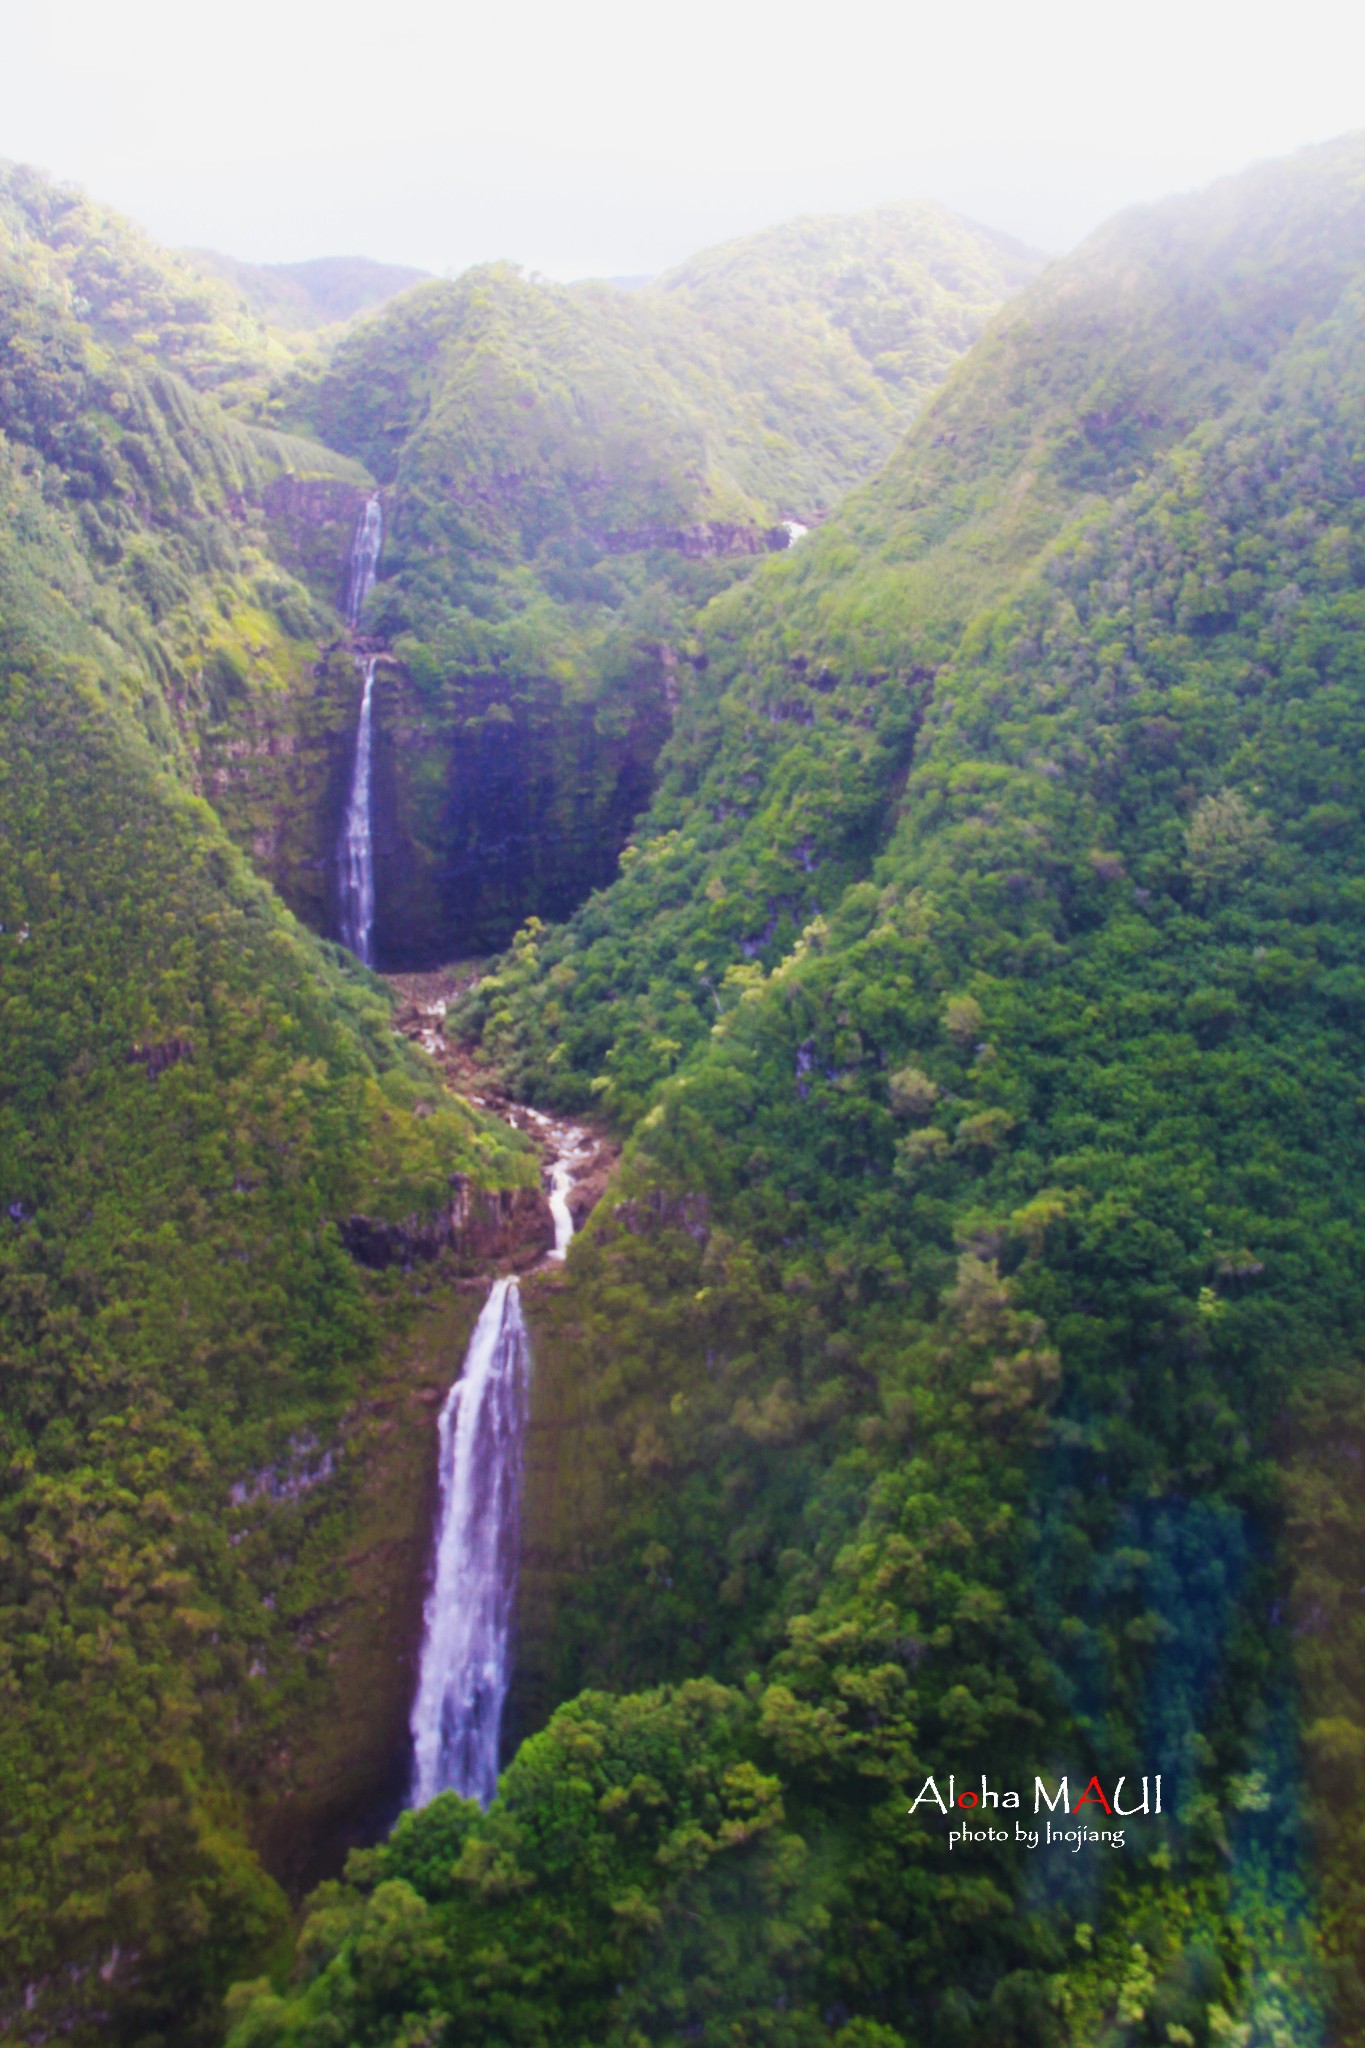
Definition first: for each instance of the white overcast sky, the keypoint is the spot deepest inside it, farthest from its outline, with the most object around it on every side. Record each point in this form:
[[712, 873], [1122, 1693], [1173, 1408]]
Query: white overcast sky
[[611, 138]]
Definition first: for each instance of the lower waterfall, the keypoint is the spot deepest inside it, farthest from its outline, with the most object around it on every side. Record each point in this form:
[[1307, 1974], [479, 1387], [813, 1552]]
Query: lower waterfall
[[462, 1680]]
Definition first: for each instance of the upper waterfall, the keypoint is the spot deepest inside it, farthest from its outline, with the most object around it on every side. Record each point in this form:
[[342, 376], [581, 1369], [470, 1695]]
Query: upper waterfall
[[355, 854], [357, 845], [369, 539]]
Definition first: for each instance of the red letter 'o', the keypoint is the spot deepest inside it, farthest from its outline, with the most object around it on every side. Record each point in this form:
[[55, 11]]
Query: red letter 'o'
[[966, 1799]]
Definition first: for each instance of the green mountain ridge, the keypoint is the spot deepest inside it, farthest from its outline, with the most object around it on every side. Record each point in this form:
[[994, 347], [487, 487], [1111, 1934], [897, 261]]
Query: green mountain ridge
[[317, 292], [960, 1374], [196, 1098], [1062, 406]]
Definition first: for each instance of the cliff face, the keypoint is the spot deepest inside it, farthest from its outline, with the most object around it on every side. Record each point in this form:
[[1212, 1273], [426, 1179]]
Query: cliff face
[[311, 523], [481, 1228], [493, 802], [496, 792], [277, 769], [570, 474], [339, 1777]]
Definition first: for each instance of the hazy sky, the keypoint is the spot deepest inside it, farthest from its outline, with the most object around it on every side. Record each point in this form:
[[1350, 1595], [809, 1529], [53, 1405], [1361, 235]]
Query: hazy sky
[[610, 138]]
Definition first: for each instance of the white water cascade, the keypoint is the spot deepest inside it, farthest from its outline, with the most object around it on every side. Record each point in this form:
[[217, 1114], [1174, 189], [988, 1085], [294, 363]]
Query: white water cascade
[[357, 844], [369, 539], [355, 856], [462, 1680], [561, 1187]]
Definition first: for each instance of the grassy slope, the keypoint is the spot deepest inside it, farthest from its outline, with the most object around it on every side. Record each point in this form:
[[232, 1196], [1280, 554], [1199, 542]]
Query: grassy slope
[[966, 1371], [193, 1093]]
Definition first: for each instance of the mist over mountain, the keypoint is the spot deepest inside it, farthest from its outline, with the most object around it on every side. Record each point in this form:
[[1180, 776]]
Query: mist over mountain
[[868, 728], [315, 293]]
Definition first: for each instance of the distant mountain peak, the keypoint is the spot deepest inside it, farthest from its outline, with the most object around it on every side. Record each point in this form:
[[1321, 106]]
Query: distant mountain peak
[[318, 291]]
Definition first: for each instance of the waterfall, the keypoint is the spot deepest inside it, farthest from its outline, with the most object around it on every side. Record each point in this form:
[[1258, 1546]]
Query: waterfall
[[561, 1184], [355, 855], [356, 858], [462, 1681], [369, 538]]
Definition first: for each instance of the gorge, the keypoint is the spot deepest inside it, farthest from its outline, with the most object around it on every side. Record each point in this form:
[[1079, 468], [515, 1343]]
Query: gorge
[[916, 1329]]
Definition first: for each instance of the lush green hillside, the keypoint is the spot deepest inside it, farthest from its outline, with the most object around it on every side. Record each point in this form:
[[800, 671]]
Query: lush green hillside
[[196, 1098], [964, 1374], [185, 518], [834, 329], [570, 471], [299, 297], [794, 738], [132, 296], [961, 1376]]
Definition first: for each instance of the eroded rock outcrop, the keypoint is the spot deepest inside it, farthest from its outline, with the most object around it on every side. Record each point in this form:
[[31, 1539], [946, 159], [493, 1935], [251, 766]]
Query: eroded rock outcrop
[[481, 1227]]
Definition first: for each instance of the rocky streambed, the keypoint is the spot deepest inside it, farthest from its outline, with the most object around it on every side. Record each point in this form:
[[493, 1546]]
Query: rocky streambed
[[577, 1156]]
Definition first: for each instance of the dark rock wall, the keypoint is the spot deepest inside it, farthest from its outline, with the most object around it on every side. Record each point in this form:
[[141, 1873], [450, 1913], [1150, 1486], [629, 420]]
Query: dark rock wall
[[279, 774], [482, 1227], [490, 808], [495, 796]]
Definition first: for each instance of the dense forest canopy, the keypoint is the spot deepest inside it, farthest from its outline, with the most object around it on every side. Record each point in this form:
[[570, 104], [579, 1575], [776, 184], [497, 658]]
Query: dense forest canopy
[[960, 1375], [966, 1371]]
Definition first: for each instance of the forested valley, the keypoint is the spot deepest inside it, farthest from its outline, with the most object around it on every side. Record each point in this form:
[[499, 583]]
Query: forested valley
[[873, 725]]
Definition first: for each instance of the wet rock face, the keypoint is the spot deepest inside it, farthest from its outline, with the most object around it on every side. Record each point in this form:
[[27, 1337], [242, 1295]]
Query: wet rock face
[[482, 1227], [489, 807], [493, 796], [513, 1223], [311, 522]]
